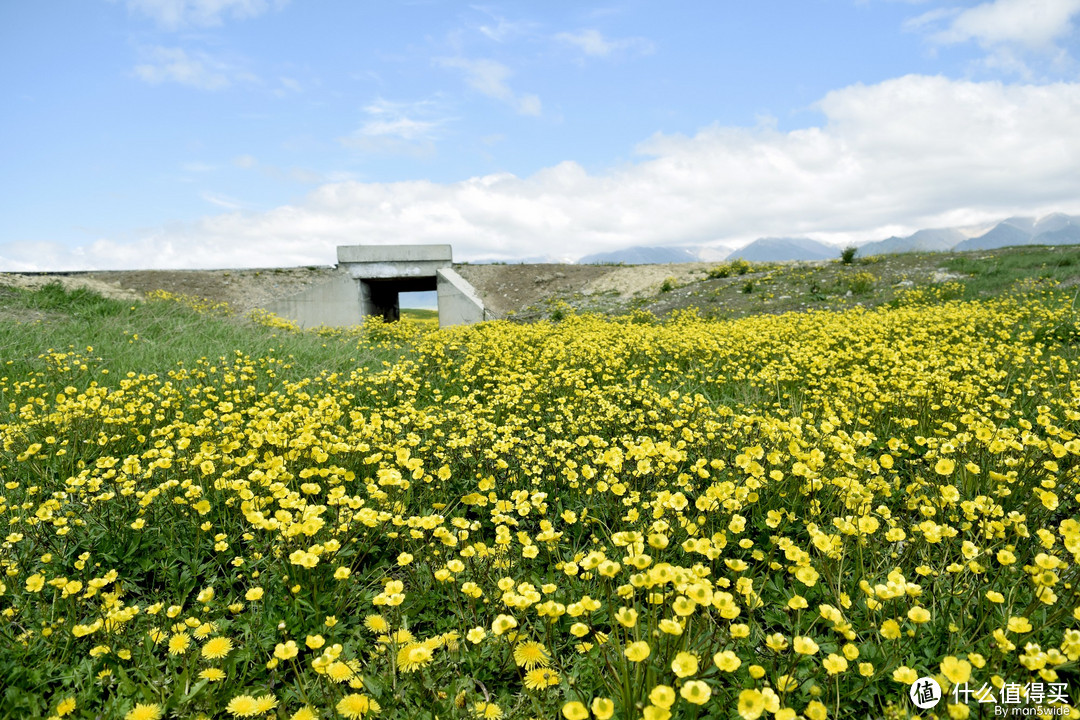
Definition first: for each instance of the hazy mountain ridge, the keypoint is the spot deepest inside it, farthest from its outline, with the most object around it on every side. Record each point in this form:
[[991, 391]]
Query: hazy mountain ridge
[[1053, 229]]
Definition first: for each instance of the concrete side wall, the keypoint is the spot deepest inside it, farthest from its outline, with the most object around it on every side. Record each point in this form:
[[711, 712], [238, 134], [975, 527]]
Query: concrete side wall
[[334, 302], [458, 302], [391, 270], [393, 253]]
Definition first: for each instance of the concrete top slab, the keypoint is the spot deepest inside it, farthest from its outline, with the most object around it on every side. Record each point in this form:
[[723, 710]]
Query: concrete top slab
[[393, 253]]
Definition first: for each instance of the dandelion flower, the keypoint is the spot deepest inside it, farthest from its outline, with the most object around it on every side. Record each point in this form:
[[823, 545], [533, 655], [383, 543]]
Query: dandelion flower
[[212, 674], [304, 713], [355, 706], [339, 672], [531, 654], [151, 711], [178, 643], [487, 710], [541, 678], [65, 706], [216, 648], [265, 703], [414, 657], [243, 706]]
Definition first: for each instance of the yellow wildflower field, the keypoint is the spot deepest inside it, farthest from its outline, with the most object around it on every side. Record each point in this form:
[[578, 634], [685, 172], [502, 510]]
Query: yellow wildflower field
[[784, 516]]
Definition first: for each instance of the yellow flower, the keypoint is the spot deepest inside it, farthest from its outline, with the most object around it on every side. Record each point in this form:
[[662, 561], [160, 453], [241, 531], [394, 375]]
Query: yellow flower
[[487, 710], [212, 674], [685, 664], [804, 645], [626, 616], [727, 661], [314, 641], [531, 654], [602, 708], [696, 692], [476, 635], [541, 678], [1019, 624], [652, 712], [355, 706], [835, 664], [637, 651], [816, 710], [65, 706], [253, 594], [662, 696], [216, 648], [944, 466], [904, 674], [243, 706], [751, 704], [376, 623], [286, 650], [890, 629], [502, 623], [958, 671], [178, 643], [304, 713], [575, 711], [151, 711], [414, 657], [918, 615], [34, 583]]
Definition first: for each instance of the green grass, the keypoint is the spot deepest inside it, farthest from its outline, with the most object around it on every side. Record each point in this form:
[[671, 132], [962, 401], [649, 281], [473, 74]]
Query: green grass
[[419, 314], [990, 272], [157, 336]]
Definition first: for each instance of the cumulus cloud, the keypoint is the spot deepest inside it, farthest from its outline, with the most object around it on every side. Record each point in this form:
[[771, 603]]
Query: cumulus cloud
[[1037, 24], [910, 152], [489, 77], [593, 43], [1010, 31], [196, 69], [175, 14]]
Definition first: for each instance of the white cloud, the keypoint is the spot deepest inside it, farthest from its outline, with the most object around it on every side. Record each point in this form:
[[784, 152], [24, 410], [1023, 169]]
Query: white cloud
[[174, 14], [911, 152], [489, 77], [1036, 24], [196, 69], [1013, 33], [592, 42], [410, 127], [223, 201]]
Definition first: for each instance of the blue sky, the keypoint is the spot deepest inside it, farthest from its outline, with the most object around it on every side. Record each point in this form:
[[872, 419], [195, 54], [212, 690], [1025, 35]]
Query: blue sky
[[254, 133]]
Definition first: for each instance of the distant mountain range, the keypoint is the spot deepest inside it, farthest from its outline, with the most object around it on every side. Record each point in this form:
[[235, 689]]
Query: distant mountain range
[[1055, 229]]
